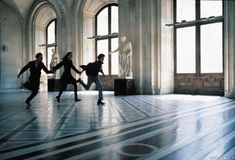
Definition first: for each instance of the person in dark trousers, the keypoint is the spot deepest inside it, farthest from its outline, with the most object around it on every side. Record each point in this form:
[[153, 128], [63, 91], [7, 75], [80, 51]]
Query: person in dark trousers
[[34, 79], [67, 77], [92, 70]]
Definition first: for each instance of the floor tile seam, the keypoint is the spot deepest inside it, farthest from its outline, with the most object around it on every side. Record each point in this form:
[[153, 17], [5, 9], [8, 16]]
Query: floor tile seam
[[162, 152], [17, 130], [164, 121], [155, 124], [97, 140], [156, 108], [228, 137], [160, 117], [109, 146], [198, 109], [229, 155], [100, 151], [62, 119], [227, 101], [120, 112], [190, 109], [137, 109]]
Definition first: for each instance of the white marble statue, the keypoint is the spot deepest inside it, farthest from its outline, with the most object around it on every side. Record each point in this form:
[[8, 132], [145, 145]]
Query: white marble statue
[[54, 62], [125, 58]]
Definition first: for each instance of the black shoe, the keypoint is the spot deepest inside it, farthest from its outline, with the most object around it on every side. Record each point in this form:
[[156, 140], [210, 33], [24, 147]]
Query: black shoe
[[28, 103], [100, 102], [76, 100], [58, 99], [79, 80]]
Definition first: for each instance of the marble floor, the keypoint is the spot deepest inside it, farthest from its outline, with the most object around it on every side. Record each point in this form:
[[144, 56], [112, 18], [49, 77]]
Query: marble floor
[[166, 127]]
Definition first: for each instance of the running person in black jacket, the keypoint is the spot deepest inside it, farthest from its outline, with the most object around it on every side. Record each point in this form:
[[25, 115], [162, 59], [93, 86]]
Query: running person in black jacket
[[67, 77], [92, 70], [34, 79]]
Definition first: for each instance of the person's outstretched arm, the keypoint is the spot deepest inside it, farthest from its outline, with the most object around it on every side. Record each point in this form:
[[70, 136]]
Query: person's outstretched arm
[[75, 69], [45, 69], [58, 66], [24, 69]]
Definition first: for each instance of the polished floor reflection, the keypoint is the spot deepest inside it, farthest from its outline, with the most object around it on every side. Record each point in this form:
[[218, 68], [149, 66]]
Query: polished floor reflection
[[166, 127]]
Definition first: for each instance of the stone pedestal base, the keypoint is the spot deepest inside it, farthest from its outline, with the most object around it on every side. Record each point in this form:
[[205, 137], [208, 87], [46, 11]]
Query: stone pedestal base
[[53, 84], [124, 87]]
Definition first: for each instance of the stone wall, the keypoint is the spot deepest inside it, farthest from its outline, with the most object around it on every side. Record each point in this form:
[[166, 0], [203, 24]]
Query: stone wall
[[11, 47]]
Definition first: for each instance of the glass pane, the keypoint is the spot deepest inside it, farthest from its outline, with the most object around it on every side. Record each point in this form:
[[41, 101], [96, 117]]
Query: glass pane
[[211, 8], [49, 55], [185, 10], [51, 33], [211, 48], [102, 22], [102, 47], [114, 57], [186, 50], [114, 19]]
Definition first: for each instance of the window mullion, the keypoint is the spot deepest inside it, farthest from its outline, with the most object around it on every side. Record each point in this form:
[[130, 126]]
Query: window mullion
[[56, 35], [109, 39], [198, 44]]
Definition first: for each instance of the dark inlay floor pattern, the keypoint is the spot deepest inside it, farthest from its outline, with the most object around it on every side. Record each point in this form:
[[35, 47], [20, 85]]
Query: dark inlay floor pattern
[[166, 127]]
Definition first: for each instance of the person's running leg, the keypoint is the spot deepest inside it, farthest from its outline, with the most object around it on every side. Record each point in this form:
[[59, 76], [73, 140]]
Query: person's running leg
[[90, 80], [74, 83], [99, 86], [34, 86], [62, 88], [32, 95]]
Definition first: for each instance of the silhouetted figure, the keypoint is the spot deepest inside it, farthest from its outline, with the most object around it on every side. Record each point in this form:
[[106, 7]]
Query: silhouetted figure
[[92, 70], [67, 77], [34, 79]]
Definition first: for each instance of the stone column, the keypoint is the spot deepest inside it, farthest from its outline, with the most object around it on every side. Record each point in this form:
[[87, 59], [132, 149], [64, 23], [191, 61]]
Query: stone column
[[143, 23], [229, 48], [166, 78]]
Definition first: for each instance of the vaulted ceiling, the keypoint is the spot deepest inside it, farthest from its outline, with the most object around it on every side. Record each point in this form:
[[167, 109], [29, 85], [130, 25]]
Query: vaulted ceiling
[[23, 6]]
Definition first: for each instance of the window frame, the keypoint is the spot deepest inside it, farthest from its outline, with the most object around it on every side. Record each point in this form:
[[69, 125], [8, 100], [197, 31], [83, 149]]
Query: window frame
[[48, 45], [109, 38], [197, 23]]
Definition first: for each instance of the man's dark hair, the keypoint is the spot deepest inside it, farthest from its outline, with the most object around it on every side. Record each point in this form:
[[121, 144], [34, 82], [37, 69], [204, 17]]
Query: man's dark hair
[[101, 56], [38, 55]]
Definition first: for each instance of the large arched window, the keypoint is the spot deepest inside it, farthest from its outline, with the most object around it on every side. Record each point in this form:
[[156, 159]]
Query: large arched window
[[107, 38], [199, 45], [50, 40], [198, 26]]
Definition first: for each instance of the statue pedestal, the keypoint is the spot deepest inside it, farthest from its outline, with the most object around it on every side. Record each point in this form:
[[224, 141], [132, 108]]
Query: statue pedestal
[[124, 87], [53, 84]]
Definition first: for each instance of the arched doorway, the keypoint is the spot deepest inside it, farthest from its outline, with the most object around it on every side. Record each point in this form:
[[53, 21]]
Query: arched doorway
[[45, 38]]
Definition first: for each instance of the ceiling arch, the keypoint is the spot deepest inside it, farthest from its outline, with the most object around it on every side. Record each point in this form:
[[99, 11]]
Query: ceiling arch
[[44, 16], [91, 7]]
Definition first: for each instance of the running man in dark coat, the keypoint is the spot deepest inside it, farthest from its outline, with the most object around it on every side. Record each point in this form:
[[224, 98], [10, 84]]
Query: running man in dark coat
[[35, 73], [67, 77], [92, 70]]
